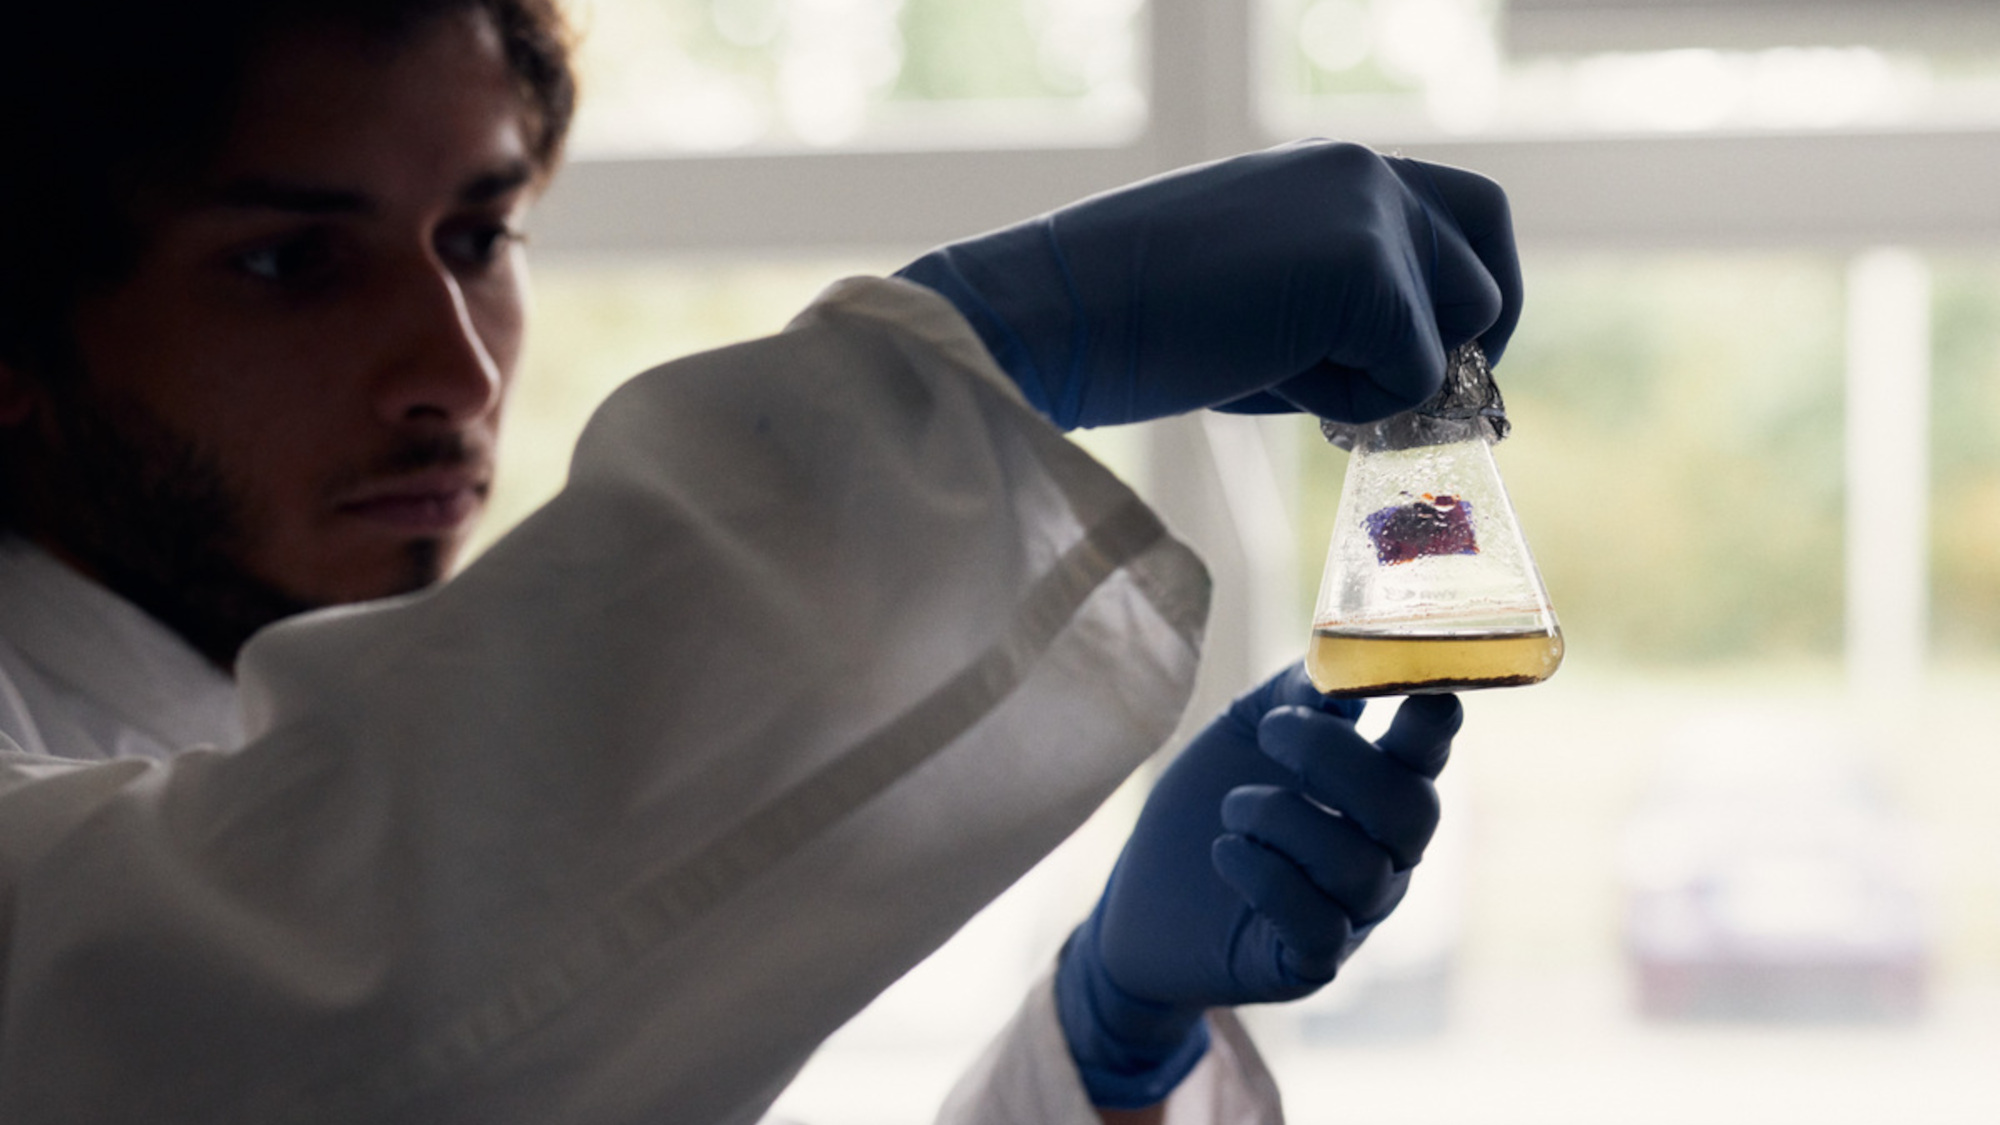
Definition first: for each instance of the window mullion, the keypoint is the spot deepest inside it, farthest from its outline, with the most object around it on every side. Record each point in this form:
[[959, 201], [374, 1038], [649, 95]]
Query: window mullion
[[1200, 63]]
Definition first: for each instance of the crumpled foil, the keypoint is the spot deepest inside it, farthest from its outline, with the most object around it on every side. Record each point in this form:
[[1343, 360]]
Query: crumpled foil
[[1468, 405]]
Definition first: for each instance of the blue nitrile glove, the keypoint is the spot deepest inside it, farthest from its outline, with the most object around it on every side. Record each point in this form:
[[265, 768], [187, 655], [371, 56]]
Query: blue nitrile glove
[[1264, 855], [1316, 276]]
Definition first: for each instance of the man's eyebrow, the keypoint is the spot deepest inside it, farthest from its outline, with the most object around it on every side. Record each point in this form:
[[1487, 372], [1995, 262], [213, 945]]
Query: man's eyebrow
[[264, 193], [498, 184], [272, 194]]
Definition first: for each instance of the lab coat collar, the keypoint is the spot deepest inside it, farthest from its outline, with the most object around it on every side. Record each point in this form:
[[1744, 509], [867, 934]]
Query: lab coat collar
[[93, 642]]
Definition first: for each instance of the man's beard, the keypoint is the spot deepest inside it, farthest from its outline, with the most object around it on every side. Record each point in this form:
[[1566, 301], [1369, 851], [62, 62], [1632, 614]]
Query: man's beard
[[155, 518]]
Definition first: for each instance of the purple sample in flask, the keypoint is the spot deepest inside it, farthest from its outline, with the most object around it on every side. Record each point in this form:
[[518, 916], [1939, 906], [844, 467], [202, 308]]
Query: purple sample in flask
[[1427, 526]]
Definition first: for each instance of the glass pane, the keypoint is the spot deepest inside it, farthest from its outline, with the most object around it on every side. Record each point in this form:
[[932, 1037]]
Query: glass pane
[[1696, 876], [1965, 463], [709, 75], [1414, 67], [1687, 897]]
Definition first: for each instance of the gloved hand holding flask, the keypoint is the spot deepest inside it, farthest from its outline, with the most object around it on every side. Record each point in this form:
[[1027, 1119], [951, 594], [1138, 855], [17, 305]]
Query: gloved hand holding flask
[[1263, 856], [1315, 276]]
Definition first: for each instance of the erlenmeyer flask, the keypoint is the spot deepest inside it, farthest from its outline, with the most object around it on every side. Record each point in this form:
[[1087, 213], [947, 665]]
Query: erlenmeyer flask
[[1429, 585]]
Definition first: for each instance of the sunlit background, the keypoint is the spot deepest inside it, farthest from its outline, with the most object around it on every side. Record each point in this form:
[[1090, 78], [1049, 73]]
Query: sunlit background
[[1739, 861]]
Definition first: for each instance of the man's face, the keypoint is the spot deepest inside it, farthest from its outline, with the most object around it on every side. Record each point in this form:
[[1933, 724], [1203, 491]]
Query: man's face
[[310, 357]]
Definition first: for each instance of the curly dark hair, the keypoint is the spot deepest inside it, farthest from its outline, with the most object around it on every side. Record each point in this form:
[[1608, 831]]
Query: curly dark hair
[[105, 103]]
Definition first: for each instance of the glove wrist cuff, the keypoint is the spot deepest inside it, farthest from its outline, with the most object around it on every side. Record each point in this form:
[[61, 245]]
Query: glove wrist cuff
[[982, 295], [1129, 1052]]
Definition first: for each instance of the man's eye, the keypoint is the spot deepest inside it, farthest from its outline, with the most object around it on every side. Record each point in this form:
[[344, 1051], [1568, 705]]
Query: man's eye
[[477, 244], [300, 260]]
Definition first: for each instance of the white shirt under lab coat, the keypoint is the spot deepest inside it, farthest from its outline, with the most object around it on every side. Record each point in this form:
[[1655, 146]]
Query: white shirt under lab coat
[[828, 639]]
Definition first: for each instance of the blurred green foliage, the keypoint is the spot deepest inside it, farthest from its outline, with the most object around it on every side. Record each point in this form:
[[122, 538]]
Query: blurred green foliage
[[952, 50], [1309, 31], [1677, 453], [707, 74], [1965, 458]]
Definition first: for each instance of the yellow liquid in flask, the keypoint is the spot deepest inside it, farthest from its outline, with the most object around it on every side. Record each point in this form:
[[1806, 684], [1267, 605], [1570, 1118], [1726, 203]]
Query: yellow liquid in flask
[[1343, 663]]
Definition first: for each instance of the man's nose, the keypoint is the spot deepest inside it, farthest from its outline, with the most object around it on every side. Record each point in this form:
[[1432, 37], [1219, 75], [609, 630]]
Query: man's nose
[[443, 368]]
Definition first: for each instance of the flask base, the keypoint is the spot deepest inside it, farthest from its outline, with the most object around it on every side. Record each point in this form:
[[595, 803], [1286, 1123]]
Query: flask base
[[1351, 664]]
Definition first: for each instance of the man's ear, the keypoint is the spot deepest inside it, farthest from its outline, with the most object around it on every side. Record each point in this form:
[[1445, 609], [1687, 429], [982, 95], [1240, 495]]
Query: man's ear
[[19, 392]]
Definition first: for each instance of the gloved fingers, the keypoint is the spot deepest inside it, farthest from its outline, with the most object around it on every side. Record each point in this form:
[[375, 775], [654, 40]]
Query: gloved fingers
[[1420, 735], [1384, 355], [1487, 221], [1347, 393], [1337, 768], [1295, 687], [1476, 287], [1332, 851], [1392, 896], [1309, 926], [1464, 297], [1446, 273], [1262, 402], [1291, 687]]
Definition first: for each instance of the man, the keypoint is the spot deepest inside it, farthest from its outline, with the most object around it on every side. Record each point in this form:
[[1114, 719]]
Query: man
[[829, 638]]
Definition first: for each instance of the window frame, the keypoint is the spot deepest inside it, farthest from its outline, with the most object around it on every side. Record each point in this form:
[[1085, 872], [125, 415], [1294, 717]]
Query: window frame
[[1838, 189]]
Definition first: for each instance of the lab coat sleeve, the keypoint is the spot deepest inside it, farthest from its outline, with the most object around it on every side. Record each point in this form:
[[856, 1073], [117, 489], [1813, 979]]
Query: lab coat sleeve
[[1026, 1077], [826, 641]]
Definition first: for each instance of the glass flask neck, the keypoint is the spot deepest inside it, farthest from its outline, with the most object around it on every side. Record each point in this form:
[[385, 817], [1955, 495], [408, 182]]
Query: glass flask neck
[[1416, 430]]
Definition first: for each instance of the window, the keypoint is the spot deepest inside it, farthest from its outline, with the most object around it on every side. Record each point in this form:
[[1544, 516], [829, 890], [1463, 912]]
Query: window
[[694, 76]]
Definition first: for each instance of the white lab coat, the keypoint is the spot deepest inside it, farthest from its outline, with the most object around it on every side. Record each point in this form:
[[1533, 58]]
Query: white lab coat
[[828, 639]]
